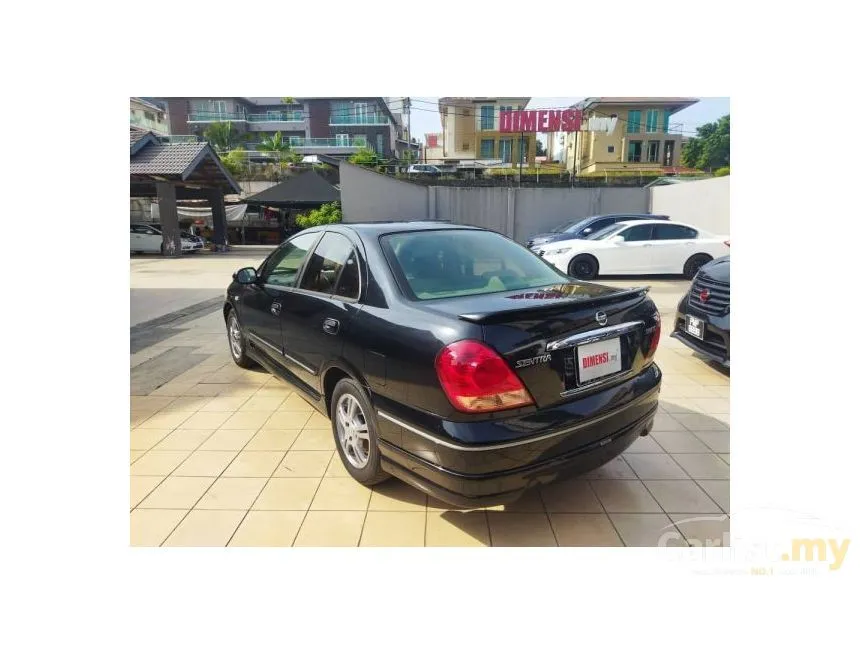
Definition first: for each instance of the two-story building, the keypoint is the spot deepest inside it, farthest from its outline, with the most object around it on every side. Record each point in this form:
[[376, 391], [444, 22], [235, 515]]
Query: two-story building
[[148, 116], [626, 133], [312, 125], [470, 131]]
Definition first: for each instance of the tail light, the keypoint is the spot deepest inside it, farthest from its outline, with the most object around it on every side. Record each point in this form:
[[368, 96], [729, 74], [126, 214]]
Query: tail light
[[476, 379], [655, 337]]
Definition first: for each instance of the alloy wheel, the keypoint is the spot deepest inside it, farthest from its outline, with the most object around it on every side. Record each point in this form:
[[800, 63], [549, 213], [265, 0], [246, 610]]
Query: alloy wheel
[[352, 431], [235, 335]]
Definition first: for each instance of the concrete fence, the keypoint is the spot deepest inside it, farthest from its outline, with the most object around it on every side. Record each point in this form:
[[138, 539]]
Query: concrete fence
[[703, 203], [518, 213]]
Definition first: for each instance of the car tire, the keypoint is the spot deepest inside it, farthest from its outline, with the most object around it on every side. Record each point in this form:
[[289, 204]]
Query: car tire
[[692, 266], [583, 267], [161, 249], [237, 342], [353, 424]]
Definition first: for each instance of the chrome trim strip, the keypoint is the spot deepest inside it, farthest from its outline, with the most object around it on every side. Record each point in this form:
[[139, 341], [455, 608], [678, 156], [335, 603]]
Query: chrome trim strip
[[507, 444], [612, 378], [592, 336], [260, 341]]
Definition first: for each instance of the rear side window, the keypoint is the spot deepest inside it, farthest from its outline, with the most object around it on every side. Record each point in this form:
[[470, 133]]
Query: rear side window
[[674, 232], [282, 268], [640, 233], [450, 263], [332, 268]]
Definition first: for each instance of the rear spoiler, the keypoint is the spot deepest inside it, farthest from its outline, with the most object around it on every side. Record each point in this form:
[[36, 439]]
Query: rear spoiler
[[548, 306]]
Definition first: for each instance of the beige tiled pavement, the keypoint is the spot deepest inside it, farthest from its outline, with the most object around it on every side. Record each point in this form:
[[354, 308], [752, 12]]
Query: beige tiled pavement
[[223, 456]]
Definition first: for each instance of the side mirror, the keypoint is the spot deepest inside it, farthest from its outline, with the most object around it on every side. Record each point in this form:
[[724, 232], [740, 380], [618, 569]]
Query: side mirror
[[248, 275], [618, 240], [586, 231]]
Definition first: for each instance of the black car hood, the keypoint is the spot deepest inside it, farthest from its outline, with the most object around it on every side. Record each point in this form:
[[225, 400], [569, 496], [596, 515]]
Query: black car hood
[[719, 270]]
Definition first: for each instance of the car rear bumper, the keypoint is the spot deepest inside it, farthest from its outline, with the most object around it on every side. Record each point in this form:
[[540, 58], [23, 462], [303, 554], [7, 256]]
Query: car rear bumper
[[573, 438]]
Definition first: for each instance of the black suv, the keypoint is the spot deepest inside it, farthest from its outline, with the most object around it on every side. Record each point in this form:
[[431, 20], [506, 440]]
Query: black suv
[[582, 228], [702, 319]]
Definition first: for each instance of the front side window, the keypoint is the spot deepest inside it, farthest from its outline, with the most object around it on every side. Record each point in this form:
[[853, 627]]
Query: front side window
[[451, 263], [282, 268], [640, 233], [606, 233], [332, 268]]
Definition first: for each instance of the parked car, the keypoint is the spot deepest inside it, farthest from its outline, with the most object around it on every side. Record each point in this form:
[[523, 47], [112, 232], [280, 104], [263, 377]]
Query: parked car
[[423, 169], [197, 241], [146, 238], [702, 319], [450, 356], [581, 228], [636, 247]]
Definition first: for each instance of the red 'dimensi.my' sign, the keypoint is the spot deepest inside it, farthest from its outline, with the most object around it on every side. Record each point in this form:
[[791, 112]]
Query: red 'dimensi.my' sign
[[540, 120]]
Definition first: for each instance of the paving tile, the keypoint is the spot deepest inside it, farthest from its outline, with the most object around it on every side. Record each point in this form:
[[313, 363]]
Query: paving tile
[[584, 529], [571, 496], [645, 529], [146, 438], [457, 528], [259, 403], [666, 423], [232, 493], [149, 527], [135, 455], [392, 528], [287, 494], [704, 466], [246, 420], [394, 495], [241, 390], [305, 463], [273, 440], [259, 463], [341, 494], [319, 422], [206, 463], [159, 462], [718, 490], [224, 403], [331, 528], [724, 456], [644, 445], [520, 529], [141, 486], [205, 528], [615, 469], [681, 497], [227, 440], [315, 439], [187, 404], [287, 420], [183, 440], [150, 403], [715, 440], [655, 467], [336, 468], [710, 378], [703, 529], [205, 421], [625, 496], [716, 391], [177, 493], [165, 420], [206, 389], [529, 502], [697, 422], [268, 528], [136, 418], [712, 405], [683, 441], [295, 403]]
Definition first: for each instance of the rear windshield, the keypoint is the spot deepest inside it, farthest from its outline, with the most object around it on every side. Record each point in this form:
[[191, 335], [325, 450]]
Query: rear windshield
[[450, 263]]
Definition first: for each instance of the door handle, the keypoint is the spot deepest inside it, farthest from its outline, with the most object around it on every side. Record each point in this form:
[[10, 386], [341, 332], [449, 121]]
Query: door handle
[[276, 309], [647, 245], [331, 326]]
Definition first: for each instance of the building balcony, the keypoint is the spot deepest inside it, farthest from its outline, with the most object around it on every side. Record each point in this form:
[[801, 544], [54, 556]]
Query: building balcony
[[277, 117], [366, 119], [214, 117]]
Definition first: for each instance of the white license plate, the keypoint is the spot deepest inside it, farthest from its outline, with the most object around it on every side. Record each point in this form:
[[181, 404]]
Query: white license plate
[[696, 327], [596, 360]]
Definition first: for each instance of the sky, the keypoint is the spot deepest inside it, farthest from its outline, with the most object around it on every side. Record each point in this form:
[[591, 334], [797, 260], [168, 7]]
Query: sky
[[425, 113]]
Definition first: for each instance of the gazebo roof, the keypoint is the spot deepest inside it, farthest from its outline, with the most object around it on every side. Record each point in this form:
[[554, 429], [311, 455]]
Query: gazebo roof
[[307, 188]]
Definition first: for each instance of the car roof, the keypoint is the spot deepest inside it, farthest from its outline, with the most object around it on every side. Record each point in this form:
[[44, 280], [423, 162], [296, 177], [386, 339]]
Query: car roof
[[659, 221], [375, 229]]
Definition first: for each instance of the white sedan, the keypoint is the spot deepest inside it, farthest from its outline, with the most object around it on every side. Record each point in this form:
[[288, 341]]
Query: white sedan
[[147, 239], [638, 246]]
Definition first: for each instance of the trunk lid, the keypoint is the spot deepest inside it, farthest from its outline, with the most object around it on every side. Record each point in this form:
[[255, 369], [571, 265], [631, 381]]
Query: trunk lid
[[566, 339]]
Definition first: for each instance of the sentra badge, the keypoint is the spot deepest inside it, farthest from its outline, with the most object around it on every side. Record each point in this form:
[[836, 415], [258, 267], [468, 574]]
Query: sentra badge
[[528, 362]]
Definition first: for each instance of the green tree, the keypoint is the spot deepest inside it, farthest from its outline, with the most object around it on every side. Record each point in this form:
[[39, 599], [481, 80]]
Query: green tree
[[365, 157], [288, 100], [223, 136], [540, 151], [710, 147], [276, 143], [236, 161], [325, 214]]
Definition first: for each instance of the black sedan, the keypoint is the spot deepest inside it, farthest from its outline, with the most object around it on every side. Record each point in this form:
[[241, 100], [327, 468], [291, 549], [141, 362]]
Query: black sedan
[[583, 228], [450, 356], [702, 319]]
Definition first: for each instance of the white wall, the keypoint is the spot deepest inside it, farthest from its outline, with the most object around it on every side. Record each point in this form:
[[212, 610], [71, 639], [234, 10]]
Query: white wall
[[703, 203]]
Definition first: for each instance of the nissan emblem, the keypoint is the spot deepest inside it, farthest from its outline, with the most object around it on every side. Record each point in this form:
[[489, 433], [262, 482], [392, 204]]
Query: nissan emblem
[[600, 317]]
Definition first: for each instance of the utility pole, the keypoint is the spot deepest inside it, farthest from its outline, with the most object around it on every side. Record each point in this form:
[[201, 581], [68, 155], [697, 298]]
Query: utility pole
[[522, 139], [406, 105]]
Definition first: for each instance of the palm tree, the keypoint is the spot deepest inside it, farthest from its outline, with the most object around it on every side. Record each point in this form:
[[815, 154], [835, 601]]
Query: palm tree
[[222, 136], [276, 143]]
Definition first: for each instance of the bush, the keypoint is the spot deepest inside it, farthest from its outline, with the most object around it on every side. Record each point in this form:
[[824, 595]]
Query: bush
[[365, 157], [236, 162], [721, 172], [325, 214]]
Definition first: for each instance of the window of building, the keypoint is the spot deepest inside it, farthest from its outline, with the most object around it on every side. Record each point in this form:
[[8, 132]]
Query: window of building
[[218, 106], [505, 150], [380, 145], [634, 151], [327, 266], [341, 139], [651, 120], [653, 151], [634, 120], [487, 148], [465, 145], [610, 149], [666, 121], [487, 112], [295, 141], [524, 151]]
